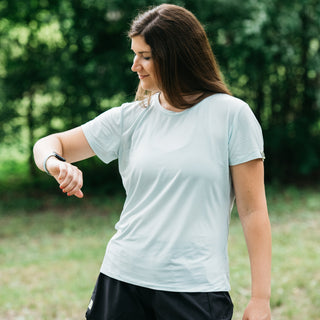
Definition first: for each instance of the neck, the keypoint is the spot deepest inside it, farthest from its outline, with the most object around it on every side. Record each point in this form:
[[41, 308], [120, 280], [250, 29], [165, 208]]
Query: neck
[[188, 98], [165, 104]]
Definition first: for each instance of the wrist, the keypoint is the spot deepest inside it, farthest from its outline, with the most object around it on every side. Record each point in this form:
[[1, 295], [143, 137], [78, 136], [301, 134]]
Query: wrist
[[261, 298], [261, 293], [52, 156]]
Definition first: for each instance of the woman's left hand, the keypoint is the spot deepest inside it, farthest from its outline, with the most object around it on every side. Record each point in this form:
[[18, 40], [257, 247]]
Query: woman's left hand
[[257, 309]]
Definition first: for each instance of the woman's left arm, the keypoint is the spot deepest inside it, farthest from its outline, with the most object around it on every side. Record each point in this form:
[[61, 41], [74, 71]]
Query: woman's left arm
[[248, 182]]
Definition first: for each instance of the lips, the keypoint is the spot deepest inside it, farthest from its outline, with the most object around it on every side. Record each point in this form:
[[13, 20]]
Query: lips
[[141, 76]]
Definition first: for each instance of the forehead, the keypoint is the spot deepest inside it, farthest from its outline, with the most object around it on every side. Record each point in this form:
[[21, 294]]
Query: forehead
[[139, 45]]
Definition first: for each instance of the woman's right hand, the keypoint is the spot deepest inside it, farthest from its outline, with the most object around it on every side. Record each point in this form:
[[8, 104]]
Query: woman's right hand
[[67, 175]]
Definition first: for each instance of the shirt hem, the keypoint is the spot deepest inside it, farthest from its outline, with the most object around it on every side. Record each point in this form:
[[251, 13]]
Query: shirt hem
[[145, 284]]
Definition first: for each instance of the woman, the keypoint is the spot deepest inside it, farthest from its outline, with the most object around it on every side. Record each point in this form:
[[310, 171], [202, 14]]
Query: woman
[[185, 148]]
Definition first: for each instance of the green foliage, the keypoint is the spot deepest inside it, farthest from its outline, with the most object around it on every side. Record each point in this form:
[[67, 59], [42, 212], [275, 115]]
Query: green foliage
[[63, 62]]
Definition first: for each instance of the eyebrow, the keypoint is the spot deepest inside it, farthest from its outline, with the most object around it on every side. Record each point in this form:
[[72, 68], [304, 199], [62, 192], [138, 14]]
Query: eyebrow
[[141, 52]]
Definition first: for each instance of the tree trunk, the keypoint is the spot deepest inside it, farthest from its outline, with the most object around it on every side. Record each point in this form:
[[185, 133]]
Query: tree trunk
[[31, 127]]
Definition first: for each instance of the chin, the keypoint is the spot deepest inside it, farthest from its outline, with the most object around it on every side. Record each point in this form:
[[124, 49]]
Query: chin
[[147, 87]]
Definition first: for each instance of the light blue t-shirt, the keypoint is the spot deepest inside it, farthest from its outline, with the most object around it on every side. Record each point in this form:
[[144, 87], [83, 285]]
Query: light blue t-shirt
[[173, 231]]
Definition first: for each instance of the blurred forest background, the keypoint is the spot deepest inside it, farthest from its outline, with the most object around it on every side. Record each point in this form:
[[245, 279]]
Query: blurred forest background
[[63, 62]]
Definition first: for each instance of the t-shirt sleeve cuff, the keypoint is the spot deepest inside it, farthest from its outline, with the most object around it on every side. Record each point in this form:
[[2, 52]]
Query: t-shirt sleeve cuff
[[251, 156]]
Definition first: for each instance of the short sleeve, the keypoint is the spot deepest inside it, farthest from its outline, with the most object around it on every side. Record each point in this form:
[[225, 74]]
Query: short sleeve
[[104, 134], [245, 137]]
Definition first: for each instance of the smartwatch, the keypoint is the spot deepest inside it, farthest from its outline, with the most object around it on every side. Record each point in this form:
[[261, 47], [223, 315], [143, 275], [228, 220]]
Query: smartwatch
[[53, 154]]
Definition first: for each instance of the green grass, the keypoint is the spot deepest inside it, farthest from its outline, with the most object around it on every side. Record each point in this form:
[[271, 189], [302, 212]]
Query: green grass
[[51, 250]]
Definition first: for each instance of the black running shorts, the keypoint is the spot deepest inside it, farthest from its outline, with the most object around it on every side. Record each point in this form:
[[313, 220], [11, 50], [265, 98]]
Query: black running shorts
[[117, 300]]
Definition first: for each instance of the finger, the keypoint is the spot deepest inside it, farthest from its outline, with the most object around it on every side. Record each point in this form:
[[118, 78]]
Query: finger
[[63, 170], [65, 180], [75, 183], [75, 191], [68, 177], [79, 194]]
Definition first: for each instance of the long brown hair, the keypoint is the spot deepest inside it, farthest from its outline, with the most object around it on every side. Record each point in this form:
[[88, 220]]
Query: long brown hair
[[183, 59]]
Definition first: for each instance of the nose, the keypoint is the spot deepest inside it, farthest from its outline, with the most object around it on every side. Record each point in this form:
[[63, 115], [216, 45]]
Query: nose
[[135, 66]]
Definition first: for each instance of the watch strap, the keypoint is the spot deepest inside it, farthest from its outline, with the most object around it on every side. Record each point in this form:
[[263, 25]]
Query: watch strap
[[53, 154]]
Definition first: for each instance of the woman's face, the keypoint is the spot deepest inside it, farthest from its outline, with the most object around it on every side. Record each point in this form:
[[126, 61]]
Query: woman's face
[[143, 64]]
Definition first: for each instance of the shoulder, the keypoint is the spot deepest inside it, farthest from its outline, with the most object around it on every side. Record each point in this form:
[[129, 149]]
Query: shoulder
[[133, 112], [132, 109], [223, 106], [128, 110], [226, 101]]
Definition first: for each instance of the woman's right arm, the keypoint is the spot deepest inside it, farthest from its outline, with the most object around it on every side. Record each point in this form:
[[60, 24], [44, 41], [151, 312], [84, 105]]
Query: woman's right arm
[[71, 145]]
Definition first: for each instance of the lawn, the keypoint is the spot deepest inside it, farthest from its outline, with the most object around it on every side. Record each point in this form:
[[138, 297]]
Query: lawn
[[51, 250]]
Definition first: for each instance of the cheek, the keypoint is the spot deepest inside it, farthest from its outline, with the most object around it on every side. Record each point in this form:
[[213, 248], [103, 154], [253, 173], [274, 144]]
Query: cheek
[[150, 67]]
